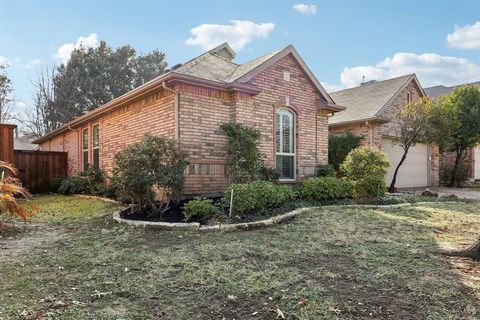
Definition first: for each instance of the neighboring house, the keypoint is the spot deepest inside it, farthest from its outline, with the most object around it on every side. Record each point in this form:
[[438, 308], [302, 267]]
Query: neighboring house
[[24, 143], [472, 159], [276, 93], [371, 113]]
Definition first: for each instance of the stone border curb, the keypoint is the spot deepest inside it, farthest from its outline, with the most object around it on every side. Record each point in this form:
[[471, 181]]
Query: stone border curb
[[195, 226]]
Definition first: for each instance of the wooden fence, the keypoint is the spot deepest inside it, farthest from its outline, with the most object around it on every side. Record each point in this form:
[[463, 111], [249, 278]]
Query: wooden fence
[[37, 169], [6, 142]]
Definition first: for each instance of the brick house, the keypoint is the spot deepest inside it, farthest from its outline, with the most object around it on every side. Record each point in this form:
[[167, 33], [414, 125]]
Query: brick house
[[275, 93], [371, 112], [471, 161]]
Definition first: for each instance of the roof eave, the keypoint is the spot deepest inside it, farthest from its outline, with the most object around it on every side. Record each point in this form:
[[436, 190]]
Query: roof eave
[[170, 78], [369, 119]]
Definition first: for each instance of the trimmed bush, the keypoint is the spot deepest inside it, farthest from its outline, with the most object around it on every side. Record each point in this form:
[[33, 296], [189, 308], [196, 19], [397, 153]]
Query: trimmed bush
[[90, 181], [370, 187], [149, 174], [75, 185], [339, 146], [254, 197], [364, 162], [324, 170], [200, 209], [325, 188], [268, 174]]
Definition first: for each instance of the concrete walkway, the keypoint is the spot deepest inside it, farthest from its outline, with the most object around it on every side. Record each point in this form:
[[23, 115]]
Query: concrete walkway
[[467, 193]]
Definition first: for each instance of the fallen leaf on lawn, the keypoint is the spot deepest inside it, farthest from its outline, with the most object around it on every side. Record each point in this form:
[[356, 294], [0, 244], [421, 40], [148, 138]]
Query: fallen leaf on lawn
[[255, 313], [231, 297], [97, 295], [59, 304], [280, 314], [302, 303]]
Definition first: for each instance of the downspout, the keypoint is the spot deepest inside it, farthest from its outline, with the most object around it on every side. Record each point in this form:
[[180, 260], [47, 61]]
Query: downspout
[[370, 133], [177, 107]]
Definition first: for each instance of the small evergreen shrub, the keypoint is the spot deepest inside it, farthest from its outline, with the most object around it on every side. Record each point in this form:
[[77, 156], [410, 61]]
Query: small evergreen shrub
[[268, 174], [339, 146], [460, 177], [325, 188], [148, 174], [364, 162], [90, 181], [257, 196], [200, 209], [370, 187], [325, 170], [75, 185]]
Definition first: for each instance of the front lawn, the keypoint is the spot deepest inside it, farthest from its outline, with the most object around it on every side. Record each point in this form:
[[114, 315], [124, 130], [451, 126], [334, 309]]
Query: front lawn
[[339, 263]]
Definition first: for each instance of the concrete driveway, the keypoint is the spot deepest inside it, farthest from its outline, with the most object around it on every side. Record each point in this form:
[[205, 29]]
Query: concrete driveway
[[467, 193]]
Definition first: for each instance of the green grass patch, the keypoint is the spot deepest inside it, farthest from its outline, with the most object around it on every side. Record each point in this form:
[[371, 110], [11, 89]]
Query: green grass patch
[[329, 263]]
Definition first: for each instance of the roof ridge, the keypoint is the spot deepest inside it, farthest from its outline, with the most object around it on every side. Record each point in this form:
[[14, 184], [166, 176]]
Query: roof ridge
[[273, 53], [375, 83]]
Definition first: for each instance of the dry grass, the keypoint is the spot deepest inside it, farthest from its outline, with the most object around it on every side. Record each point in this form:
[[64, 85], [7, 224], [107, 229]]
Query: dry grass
[[340, 263]]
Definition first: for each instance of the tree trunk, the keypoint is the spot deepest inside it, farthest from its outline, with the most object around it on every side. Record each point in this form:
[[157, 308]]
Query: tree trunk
[[394, 179], [472, 251], [453, 178]]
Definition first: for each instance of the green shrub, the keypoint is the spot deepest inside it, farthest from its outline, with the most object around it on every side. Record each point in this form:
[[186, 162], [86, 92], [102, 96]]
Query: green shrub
[[325, 170], [461, 175], [370, 187], [364, 162], [149, 173], [268, 174], [200, 208], [75, 185], [244, 159], [325, 188], [89, 181], [254, 197], [339, 146]]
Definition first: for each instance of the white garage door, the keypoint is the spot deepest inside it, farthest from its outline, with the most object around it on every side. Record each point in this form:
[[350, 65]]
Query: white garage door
[[414, 171], [477, 163]]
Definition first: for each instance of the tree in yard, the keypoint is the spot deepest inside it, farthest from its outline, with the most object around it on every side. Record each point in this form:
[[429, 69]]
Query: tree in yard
[[5, 96], [463, 107], [414, 126], [89, 79], [339, 146]]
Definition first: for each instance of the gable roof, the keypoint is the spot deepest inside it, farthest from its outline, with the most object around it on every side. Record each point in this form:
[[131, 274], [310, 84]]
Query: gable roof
[[213, 69], [437, 91], [365, 103]]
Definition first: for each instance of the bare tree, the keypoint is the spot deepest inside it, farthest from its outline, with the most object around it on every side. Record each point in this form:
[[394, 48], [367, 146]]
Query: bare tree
[[43, 117], [6, 113]]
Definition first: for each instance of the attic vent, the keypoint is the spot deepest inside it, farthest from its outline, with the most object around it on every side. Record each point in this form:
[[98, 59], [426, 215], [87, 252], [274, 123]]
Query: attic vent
[[223, 51], [178, 65], [286, 76], [368, 82]]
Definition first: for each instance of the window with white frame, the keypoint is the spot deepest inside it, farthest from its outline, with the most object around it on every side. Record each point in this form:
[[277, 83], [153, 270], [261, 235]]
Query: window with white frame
[[409, 97], [85, 148], [285, 144], [96, 145]]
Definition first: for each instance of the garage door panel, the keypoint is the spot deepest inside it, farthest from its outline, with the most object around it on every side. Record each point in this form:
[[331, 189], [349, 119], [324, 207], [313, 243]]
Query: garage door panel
[[414, 171]]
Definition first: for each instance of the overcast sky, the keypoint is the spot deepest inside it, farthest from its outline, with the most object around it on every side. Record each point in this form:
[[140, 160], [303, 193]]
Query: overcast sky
[[341, 41]]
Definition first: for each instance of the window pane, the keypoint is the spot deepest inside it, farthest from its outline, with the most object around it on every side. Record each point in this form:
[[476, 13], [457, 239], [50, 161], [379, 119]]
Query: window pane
[[287, 134], [85, 160], [96, 158], [285, 165], [277, 132], [85, 139], [96, 136]]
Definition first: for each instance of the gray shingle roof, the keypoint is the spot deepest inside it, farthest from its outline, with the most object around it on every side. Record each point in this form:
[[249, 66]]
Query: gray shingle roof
[[23, 143], [365, 102], [212, 65], [437, 91]]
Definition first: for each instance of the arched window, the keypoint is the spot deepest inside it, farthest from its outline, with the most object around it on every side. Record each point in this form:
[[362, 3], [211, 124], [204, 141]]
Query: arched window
[[285, 144]]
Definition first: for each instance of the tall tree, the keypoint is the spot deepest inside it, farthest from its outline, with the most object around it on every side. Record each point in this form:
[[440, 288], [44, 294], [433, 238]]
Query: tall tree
[[5, 96], [464, 107], [420, 121], [94, 76]]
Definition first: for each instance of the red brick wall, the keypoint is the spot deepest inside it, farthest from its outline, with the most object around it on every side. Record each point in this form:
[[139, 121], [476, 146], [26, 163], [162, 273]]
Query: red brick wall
[[200, 113], [153, 113], [363, 130]]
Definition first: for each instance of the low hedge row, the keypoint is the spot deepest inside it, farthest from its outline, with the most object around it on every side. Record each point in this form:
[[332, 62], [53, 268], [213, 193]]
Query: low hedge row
[[259, 196]]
